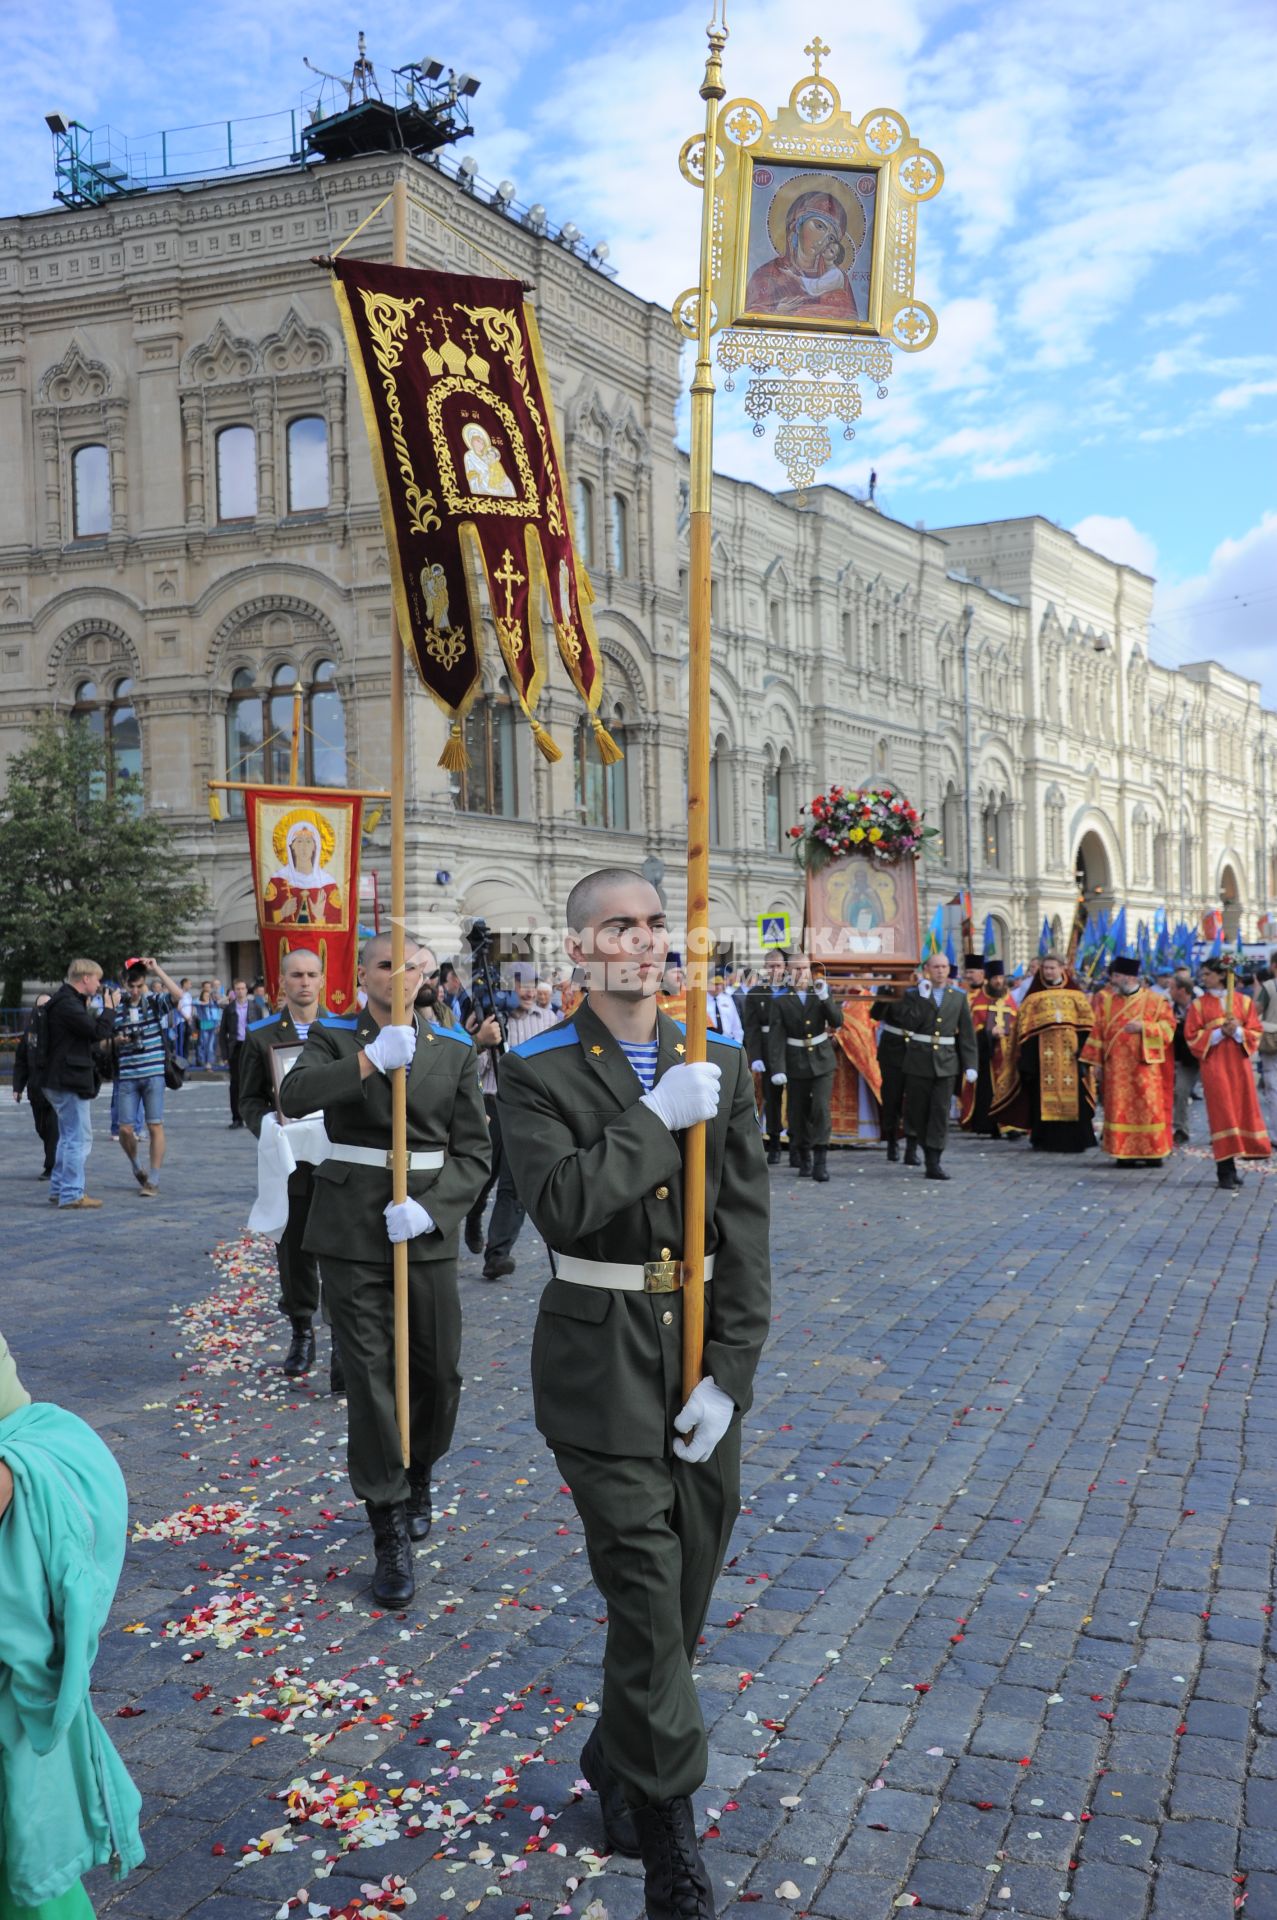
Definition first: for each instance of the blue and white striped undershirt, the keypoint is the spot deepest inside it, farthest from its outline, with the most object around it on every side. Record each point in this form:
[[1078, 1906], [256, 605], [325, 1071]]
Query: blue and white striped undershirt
[[642, 1057]]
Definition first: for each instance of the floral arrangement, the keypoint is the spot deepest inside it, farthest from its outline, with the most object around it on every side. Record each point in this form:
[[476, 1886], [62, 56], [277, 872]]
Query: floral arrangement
[[858, 820]]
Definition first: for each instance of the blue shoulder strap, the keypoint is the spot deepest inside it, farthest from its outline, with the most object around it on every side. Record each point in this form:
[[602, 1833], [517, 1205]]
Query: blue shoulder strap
[[350, 1025], [711, 1033], [452, 1033], [561, 1036], [269, 1021]]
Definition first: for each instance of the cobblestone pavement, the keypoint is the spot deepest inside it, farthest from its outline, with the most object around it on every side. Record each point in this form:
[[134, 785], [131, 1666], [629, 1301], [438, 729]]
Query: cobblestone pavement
[[963, 1658]]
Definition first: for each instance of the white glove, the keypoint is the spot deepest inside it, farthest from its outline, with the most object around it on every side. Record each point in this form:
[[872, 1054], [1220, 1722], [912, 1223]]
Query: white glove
[[707, 1416], [780, 1079], [971, 1076], [821, 989], [686, 1094], [756, 1066], [924, 988], [1240, 1036], [1216, 1037], [393, 1047], [408, 1218]]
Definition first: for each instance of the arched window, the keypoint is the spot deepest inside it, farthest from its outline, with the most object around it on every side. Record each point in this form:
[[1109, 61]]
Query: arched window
[[848, 638], [772, 827], [951, 826], [583, 514], [989, 822], [90, 492], [112, 721], [236, 473], [719, 792], [618, 533], [489, 784], [776, 622], [307, 464], [259, 730], [602, 793]]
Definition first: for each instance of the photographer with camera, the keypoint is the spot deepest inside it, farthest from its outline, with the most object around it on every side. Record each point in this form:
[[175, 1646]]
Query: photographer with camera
[[495, 1032], [71, 1078], [141, 1033]]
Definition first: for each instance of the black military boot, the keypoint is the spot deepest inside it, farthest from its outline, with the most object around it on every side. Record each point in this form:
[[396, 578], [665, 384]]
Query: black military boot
[[773, 1151], [804, 1164], [1227, 1175], [420, 1512], [393, 1584], [819, 1171], [300, 1357], [893, 1148], [934, 1170], [619, 1829], [911, 1153], [676, 1885], [474, 1231], [795, 1158], [336, 1369]]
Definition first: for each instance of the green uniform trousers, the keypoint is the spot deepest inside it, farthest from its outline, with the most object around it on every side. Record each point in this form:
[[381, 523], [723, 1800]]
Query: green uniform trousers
[[808, 1105], [298, 1270], [360, 1307], [927, 1103], [656, 1532]]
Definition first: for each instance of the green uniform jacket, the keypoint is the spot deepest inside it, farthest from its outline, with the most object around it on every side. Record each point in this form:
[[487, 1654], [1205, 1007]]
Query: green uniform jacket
[[256, 1085], [795, 1019], [445, 1110], [756, 1019], [602, 1178], [928, 1021]]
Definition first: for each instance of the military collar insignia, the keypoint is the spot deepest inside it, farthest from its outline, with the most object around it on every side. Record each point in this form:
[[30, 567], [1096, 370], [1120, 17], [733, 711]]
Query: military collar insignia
[[596, 1051], [679, 1047]]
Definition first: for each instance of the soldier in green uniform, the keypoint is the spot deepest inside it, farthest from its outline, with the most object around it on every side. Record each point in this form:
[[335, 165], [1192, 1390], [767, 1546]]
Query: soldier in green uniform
[[891, 1060], [301, 976], [353, 1222], [939, 1044], [591, 1116], [800, 1058], [757, 1020]]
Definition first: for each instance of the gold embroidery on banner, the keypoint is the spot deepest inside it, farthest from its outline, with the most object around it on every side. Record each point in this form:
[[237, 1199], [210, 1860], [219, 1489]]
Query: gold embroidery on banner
[[387, 320], [502, 331], [444, 643], [464, 501]]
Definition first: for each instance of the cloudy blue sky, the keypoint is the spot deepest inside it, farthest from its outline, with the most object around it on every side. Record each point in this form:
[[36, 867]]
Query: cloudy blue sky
[[1102, 256]]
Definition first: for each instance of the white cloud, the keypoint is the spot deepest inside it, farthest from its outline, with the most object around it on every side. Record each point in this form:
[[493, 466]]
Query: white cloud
[[1229, 612], [1235, 399], [1117, 539]]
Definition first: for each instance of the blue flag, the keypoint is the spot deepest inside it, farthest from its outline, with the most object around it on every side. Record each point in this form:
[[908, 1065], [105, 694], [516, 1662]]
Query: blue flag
[[1044, 938], [932, 942], [1117, 943], [949, 954], [990, 937], [1217, 945]]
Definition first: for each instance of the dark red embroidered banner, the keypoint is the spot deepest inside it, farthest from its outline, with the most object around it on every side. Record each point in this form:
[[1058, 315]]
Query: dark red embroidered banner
[[470, 476]]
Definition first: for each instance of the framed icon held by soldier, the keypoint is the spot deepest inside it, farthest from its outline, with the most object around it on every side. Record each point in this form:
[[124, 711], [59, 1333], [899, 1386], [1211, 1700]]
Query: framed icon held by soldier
[[283, 1058]]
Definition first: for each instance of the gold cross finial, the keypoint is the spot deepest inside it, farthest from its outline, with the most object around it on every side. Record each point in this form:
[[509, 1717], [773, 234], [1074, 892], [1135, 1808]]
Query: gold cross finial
[[817, 52], [509, 577]]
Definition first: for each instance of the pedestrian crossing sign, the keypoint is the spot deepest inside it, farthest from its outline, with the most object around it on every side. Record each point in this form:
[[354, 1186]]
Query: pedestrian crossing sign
[[773, 929]]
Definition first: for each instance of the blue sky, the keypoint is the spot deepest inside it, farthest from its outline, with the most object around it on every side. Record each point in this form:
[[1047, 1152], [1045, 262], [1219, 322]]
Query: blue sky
[[1102, 256]]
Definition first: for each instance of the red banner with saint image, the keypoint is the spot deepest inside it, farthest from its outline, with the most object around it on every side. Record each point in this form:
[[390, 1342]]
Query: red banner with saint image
[[470, 477], [304, 848]]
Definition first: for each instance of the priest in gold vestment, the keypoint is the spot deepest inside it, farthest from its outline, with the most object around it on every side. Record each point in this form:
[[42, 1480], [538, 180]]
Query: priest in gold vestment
[[1043, 1086]]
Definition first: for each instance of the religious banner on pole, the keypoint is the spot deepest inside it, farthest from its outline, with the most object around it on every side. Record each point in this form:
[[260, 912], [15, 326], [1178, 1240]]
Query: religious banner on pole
[[470, 478], [304, 848]]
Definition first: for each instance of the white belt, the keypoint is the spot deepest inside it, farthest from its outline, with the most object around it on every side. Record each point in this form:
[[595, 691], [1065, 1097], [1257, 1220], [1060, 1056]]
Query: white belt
[[938, 1040], [652, 1276], [813, 1040], [380, 1157], [899, 1032]]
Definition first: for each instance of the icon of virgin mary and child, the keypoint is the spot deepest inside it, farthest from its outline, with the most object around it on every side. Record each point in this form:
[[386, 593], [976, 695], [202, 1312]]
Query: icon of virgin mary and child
[[816, 232], [301, 892]]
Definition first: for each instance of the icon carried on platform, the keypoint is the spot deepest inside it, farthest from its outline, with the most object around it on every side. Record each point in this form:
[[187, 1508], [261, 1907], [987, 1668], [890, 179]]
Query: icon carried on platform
[[773, 929]]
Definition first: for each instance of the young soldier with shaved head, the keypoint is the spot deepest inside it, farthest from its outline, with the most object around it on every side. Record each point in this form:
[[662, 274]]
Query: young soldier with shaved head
[[301, 977], [592, 1116], [353, 1222]]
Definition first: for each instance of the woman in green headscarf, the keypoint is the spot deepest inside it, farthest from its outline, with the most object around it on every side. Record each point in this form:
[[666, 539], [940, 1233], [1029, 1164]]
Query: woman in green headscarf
[[66, 1800]]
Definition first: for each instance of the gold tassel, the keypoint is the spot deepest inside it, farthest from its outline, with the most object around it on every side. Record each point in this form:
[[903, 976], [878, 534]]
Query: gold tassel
[[551, 751], [609, 752], [372, 820], [214, 805], [454, 756]]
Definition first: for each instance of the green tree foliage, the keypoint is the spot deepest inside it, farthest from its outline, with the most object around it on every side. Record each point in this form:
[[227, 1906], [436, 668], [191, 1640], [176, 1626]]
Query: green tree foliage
[[81, 871]]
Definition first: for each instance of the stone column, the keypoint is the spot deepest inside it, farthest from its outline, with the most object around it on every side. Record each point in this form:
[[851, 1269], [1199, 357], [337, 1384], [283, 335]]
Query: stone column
[[338, 464], [47, 428], [117, 466], [264, 428], [193, 435]]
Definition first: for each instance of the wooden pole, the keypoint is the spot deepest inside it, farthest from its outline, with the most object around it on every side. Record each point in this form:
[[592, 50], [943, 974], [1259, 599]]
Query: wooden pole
[[699, 610], [297, 735], [400, 1011]]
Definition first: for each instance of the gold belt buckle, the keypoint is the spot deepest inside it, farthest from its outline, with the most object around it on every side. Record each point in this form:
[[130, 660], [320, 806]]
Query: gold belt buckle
[[662, 1276], [809, 1042], [390, 1160]]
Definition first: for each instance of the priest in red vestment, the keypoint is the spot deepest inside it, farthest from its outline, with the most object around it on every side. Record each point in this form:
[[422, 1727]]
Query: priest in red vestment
[[1132, 1044], [1043, 1085], [993, 1015], [1222, 1031]]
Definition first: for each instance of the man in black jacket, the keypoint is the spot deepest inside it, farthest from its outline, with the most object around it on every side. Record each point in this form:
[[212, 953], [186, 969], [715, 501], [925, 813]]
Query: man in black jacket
[[28, 1078], [71, 1077], [236, 1015]]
